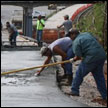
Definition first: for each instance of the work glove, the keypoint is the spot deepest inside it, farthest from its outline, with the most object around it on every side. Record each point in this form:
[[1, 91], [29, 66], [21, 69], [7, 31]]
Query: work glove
[[71, 60]]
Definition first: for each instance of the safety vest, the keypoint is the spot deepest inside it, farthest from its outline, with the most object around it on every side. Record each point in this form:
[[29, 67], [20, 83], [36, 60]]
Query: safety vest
[[39, 25]]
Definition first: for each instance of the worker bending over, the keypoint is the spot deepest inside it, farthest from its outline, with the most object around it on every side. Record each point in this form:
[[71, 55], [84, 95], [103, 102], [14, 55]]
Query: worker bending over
[[63, 48], [13, 33]]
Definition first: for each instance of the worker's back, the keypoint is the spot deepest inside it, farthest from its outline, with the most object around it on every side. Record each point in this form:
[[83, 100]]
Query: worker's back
[[64, 43], [67, 26], [86, 46]]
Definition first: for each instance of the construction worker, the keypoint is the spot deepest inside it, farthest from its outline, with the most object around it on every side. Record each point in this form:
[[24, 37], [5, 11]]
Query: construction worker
[[61, 47], [13, 33], [93, 56], [40, 24], [67, 25]]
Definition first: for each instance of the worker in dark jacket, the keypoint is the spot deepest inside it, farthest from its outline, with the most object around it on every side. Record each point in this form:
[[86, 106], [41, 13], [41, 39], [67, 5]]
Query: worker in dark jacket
[[93, 56]]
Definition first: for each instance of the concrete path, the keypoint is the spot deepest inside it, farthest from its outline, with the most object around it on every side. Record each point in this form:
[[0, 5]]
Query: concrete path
[[26, 90]]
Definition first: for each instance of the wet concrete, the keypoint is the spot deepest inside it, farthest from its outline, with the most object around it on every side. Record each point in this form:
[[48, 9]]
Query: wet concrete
[[26, 90]]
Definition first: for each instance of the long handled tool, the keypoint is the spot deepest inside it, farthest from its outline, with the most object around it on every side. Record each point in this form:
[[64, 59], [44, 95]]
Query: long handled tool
[[47, 65]]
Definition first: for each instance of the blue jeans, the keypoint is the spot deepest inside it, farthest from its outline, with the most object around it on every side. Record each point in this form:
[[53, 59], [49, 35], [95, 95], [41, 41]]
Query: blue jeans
[[39, 35], [97, 70], [13, 38], [68, 66]]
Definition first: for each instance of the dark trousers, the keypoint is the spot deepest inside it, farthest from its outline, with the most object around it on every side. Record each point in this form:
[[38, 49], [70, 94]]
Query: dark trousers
[[39, 37], [68, 66], [97, 70], [12, 38]]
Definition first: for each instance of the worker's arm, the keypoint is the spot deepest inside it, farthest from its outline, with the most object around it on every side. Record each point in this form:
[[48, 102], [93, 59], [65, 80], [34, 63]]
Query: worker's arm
[[42, 22], [60, 26], [11, 31], [46, 62], [77, 58]]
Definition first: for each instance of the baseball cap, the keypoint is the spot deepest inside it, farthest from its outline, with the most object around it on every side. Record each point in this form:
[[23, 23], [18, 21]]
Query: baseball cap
[[67, 16], [43, 50]]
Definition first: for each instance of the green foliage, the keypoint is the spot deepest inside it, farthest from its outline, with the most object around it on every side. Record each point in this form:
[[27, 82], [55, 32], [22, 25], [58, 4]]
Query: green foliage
[[93, 21]]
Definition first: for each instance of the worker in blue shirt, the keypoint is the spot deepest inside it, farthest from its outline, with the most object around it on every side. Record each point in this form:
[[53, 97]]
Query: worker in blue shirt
[[86, 47]]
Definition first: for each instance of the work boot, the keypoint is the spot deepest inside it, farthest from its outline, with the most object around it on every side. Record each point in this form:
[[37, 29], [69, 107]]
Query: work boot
[[71, 94], [68, 82], [61, 77], [64, 76]]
